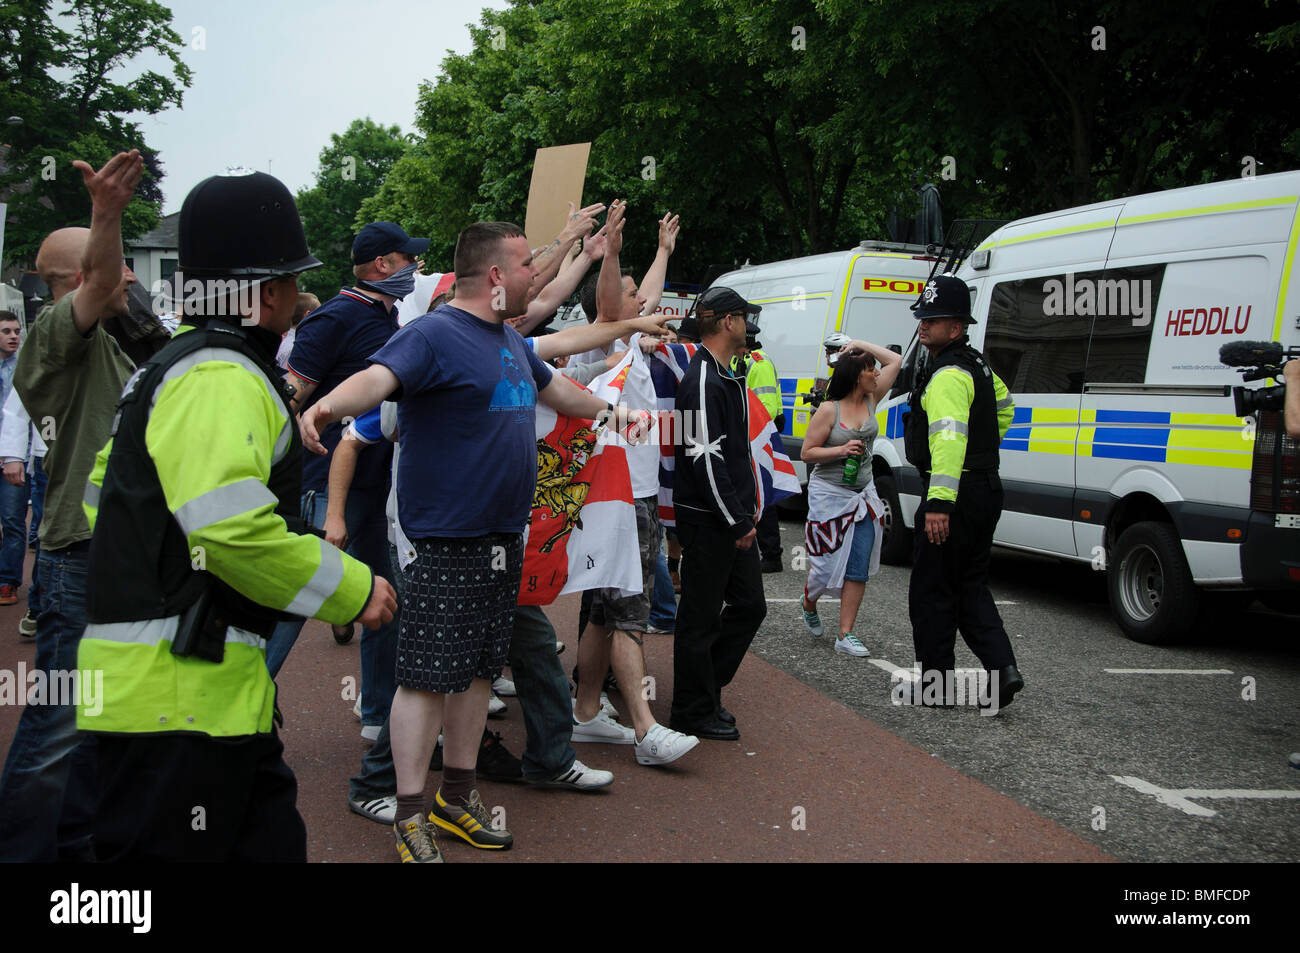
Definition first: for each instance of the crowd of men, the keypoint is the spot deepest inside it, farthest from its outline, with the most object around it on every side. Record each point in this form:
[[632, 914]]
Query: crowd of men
[[186, 535]]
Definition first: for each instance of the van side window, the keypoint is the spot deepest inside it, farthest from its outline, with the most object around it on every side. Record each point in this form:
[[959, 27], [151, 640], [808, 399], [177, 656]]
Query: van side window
[[1121, 328], [793, 328], [1031, 343]]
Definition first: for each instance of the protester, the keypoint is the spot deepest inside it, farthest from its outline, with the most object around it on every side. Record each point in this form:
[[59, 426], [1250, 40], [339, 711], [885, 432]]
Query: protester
[[332, 343], [70, 372], [715, 497], [467, 387], [843, 552], [618, 622], [13, 496], [307, 303], [22, 451], [543, 691]]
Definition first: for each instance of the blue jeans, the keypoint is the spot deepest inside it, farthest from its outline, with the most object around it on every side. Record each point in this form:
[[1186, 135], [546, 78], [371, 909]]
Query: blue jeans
[[13, 523], [367, 541], [36, 483], [47, 800], [663, 605]]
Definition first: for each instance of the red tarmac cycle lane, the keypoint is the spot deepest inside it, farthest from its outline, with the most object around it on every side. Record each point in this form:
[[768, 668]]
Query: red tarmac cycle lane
[[810, 780]]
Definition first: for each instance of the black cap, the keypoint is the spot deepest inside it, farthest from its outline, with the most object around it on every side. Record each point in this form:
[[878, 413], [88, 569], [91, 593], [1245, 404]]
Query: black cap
[[720, 300], [242, 226], [944, 296], [384, 238], [689, 328]]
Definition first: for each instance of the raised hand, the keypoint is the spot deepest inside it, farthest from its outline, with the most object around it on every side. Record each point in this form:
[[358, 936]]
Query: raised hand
[[112, 187], [669, 226]]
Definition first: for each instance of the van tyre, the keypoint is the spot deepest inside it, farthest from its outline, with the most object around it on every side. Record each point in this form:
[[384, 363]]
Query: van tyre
[[1151, 589], [896, 548]]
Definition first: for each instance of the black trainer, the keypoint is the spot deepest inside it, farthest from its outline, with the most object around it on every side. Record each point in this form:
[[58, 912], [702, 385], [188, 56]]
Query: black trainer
[[495, 762]]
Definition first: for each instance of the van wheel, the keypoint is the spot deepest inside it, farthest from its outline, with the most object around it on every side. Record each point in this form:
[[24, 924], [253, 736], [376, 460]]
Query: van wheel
[[896, 548], [1151, 589]]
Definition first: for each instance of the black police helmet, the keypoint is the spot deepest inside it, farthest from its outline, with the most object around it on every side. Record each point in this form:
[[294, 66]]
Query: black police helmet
[[242, 226], [944, 296]]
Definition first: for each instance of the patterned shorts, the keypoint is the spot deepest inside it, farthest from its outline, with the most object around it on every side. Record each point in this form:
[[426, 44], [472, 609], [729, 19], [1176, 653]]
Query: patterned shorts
[[458, 611], [612, 609]]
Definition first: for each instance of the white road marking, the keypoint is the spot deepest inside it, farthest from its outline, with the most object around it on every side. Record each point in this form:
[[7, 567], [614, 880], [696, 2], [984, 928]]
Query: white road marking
[[1181, 798], [800, 599], [1168, 671], [1004, 602]]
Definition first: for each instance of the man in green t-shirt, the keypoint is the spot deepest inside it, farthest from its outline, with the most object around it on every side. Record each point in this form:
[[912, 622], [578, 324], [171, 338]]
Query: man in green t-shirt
[[70, 374]]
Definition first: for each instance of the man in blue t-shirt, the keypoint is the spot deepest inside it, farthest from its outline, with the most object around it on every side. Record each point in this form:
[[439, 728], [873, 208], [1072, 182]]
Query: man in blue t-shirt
[[331, 343], [466, 387]]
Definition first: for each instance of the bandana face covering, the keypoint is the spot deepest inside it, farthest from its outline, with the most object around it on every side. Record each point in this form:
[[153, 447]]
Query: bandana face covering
[[397, 285]]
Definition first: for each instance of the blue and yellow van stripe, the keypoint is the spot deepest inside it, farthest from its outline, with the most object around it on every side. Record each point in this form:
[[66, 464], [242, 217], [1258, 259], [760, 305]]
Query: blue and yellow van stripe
[[1214, 440], [797, 411]]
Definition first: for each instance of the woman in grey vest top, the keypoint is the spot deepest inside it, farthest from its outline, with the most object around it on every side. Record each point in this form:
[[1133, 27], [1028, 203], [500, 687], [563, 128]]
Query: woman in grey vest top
[[843, 532]]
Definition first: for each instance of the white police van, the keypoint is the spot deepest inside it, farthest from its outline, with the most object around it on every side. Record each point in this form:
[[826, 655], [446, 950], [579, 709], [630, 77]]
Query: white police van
[[1105, 322], [866, 292]]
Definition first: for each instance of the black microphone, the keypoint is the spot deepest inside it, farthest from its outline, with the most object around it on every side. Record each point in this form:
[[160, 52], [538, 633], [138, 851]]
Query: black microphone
[[1250, 353]]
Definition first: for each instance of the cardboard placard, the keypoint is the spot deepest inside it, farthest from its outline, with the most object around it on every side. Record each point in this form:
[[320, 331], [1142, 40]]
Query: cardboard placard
[[558, 176]]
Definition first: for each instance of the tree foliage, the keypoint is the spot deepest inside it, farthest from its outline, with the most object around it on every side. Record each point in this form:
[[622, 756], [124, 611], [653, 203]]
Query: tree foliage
[[82, 116], [795, 126], [352, 167]]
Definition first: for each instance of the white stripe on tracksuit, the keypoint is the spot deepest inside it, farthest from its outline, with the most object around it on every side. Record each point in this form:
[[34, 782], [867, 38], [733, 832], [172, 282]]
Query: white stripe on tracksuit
[[704, 427]]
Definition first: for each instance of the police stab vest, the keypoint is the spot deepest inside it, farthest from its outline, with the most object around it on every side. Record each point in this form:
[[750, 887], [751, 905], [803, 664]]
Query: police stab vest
[[982, 439], [141, 566]]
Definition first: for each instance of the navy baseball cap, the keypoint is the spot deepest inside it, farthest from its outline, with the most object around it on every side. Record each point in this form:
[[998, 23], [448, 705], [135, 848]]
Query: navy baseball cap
[[384, 238], [720, 300]]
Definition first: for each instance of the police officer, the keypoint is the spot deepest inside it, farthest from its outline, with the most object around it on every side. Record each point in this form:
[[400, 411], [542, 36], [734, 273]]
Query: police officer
[[764, 381], [198, 551], [960, 412]]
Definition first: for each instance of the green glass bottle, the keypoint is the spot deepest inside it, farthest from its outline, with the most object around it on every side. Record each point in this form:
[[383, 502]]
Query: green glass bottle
[[851, 464]]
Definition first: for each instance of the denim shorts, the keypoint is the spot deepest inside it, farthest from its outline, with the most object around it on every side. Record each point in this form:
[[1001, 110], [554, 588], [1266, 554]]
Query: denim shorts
[[864, 538]]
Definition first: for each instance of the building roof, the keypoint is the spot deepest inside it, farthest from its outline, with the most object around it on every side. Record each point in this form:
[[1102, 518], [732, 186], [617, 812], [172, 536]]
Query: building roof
[[166, 235]]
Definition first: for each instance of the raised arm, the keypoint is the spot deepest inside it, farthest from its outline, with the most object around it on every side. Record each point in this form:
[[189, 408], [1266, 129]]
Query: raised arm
[[890, 364], [356, 395], [550, 298], [102, 270], [547, 261], [582, 338], [609, 286], [652, 285]]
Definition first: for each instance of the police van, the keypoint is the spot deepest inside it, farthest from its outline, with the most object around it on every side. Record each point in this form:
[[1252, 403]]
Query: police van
[[865, 292], [1105, 323]]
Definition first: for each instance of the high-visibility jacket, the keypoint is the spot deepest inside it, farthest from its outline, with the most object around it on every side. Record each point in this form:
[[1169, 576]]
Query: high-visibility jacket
[[969, 410], [196, 494], [762, 380]]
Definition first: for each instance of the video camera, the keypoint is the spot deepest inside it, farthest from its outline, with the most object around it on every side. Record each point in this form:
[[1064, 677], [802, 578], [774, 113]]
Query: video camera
[[1257, 360]]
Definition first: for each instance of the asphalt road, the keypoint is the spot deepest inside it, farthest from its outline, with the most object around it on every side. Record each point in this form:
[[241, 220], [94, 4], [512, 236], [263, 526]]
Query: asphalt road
[[1078, 725]]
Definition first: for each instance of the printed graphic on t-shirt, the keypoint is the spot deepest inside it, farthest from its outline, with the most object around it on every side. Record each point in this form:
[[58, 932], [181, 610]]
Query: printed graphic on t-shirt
[[514, 392]]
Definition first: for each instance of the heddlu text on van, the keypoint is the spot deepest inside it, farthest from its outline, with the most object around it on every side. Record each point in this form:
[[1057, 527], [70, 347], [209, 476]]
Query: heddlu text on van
[[1099, 298], [1184, 322]]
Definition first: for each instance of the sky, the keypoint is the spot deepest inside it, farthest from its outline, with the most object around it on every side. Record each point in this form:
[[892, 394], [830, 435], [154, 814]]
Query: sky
[[276, 77]]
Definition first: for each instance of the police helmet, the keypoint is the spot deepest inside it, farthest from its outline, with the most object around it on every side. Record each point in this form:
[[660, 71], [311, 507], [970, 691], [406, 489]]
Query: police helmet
[[242, 226], [944, 296]]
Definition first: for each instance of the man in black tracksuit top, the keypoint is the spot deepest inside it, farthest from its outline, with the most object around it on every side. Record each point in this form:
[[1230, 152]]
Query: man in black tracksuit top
[[716, 499]]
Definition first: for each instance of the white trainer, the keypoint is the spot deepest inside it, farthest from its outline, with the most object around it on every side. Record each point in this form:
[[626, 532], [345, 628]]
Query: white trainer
[[380, 809], [849, 645], [579, 777], [356, 710], [663, 745], [371, 732], [607, 706], [495, 705], [602, 728], [504, 687]]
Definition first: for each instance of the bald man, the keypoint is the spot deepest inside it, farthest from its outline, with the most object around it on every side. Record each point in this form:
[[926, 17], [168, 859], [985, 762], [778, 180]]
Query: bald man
[[70, 374]]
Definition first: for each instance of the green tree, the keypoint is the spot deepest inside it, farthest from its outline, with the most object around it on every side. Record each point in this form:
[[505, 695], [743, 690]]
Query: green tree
[[352, 167], [82, 116]]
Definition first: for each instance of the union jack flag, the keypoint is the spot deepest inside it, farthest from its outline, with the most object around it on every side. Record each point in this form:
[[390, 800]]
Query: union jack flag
[[774, 473]]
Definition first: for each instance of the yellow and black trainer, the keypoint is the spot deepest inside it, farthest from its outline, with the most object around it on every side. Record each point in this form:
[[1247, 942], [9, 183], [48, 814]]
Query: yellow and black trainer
[[471, 822], [415, 843]]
